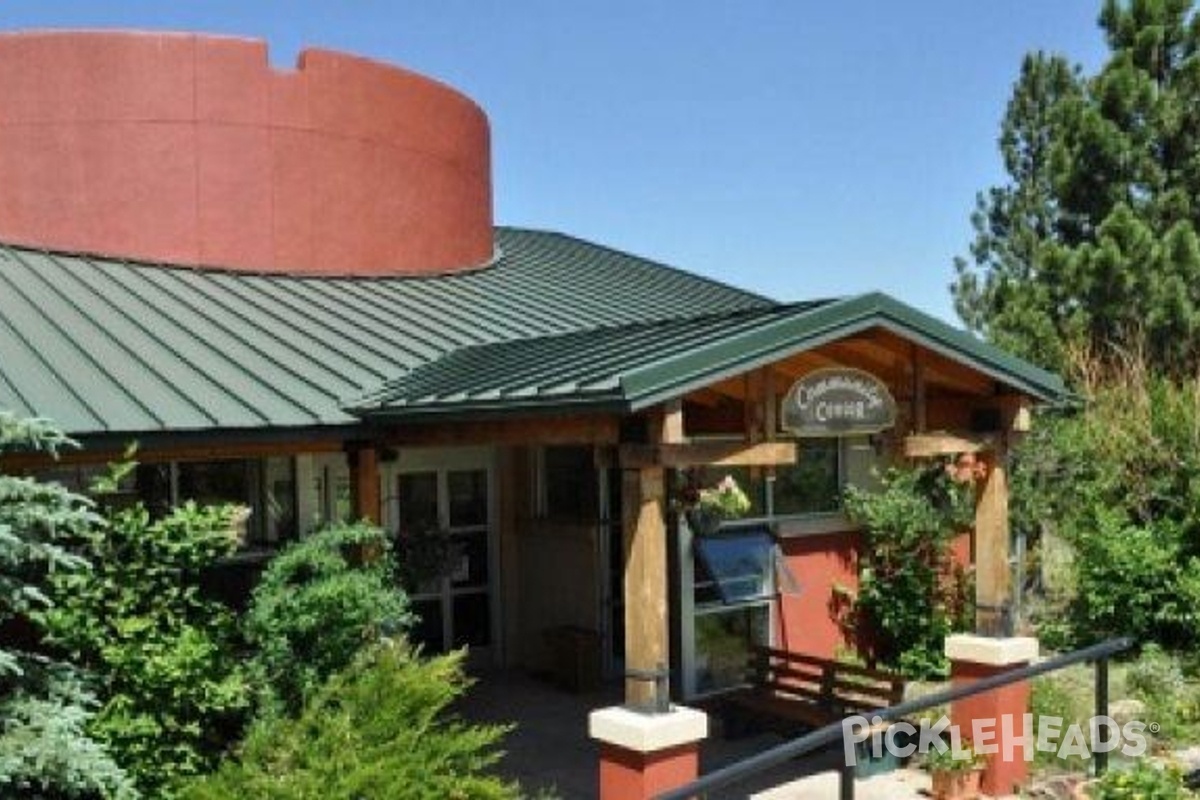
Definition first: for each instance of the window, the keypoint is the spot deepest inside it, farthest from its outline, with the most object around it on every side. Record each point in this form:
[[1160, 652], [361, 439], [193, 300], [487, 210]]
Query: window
[[418, 497], [724, 640], [279, 499], [735, 567], [267, 487], [733, 584], [570, 484], [218, 482], [813, 485]]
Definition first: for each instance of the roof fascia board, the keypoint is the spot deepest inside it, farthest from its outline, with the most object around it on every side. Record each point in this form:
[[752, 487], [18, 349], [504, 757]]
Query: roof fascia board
[[447, 412]]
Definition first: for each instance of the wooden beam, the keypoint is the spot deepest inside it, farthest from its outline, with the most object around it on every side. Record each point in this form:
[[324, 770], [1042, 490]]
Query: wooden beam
[[770, 405], [672, 422], [993, 573], [861, 354], [718, 454], [210, 452], [647, 633], [705, 397], [806, 361], [929, 445], [580, 429], [512, 499]]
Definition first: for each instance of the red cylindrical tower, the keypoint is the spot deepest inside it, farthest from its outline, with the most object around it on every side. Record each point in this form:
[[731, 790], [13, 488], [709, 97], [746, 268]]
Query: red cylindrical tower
[[191, 149]]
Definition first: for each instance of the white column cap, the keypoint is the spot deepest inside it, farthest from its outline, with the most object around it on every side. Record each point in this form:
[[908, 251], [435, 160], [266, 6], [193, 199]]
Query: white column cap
[[992, 652], [647, 733]]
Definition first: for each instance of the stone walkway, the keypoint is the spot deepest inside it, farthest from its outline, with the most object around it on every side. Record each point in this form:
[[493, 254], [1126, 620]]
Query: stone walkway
[[899, 785], [550, 749]]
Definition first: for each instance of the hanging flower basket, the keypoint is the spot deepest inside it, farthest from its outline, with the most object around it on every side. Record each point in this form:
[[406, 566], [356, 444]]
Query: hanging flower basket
[[707, 508]]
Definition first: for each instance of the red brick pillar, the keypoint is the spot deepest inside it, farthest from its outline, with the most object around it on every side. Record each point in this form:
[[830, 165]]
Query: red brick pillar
[[995, 721], [642, 755]]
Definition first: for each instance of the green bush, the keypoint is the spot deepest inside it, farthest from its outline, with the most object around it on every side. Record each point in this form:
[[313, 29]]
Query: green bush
[[910, 594], [379, 729], [1068, 695], [163, 658], [45, 749], [1119, 484], [1144, 779], [1172, 698], [46, 754], [319, 602]]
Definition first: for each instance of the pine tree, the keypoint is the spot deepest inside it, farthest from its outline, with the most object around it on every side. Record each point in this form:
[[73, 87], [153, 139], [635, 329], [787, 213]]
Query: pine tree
[[1092, 242], [45, 751]]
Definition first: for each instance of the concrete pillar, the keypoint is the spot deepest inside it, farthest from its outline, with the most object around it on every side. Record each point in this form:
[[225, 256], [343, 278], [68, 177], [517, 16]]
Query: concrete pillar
[[995, 719], [643, 755]]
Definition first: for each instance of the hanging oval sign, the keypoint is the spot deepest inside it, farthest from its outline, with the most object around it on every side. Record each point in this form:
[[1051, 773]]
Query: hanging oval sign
[[838, 401]]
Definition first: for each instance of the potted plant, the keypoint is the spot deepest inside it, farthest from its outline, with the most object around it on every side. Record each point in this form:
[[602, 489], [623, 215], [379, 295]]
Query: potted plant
[[708, 507], [956, 776]]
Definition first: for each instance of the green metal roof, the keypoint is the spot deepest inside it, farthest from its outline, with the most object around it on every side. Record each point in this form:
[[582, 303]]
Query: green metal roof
[[106, 346], [110, 347], [628, 367]]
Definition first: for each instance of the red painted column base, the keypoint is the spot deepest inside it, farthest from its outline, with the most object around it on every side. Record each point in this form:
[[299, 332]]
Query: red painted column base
[[1000, 713], [629, 775], [643, 755]]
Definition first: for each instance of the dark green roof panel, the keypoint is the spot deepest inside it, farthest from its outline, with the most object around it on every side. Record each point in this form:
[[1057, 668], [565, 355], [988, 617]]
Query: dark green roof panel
[[106, 346], [628, 367]]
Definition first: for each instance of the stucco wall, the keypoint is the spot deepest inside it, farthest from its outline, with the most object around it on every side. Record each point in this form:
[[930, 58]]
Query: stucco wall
[[810, 620], [193, 150]]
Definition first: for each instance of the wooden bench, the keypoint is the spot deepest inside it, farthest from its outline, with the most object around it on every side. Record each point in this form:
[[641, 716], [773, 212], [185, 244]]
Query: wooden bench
[[800, 689]]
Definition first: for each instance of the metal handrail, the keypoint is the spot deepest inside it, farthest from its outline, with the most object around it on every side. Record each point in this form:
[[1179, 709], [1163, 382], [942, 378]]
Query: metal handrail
[[735, 773]]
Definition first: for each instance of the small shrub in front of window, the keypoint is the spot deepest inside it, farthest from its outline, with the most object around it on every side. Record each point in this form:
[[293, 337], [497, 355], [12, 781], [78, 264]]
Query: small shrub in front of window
[[911, 594], [171, 687]]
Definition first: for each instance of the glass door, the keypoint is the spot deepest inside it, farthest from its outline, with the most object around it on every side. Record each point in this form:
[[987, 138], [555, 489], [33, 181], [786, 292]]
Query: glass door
[[454, 610]]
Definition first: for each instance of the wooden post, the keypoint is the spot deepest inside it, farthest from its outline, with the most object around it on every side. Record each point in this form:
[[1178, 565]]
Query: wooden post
[[364, 483], [645, 546], [993, 574], [672, 423], [770, 412], [512, 498], [753, 414], [920, 413]]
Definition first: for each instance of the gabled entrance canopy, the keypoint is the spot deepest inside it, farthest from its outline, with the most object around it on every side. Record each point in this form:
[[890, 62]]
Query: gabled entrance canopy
[[628, 368]]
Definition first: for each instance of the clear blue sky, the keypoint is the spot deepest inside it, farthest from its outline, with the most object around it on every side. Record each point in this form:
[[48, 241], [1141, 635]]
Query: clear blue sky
[[800, 149]]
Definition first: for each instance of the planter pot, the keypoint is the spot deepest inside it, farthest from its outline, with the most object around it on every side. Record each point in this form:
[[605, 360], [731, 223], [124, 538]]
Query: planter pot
[[956, 785]]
